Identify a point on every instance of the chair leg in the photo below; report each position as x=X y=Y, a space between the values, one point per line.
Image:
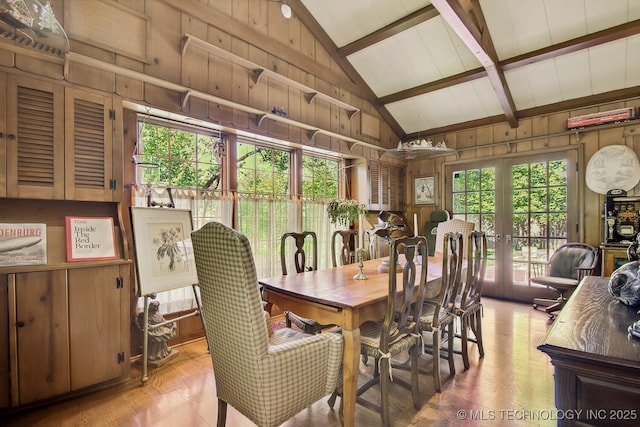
x=436 y=361
x=464 y=338
x=476 y=327
x=451 y=337
x=414 y=352
x=384 y=392
x=222 y=413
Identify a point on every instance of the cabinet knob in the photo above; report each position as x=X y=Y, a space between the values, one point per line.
x=11 y=136
x=20 y=324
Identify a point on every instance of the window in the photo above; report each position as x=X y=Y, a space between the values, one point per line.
x=319 y=184
x=186 y=159
x=265 y=209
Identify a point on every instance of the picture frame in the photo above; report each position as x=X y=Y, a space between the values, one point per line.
x=163 y=251
x=90 y=238
x=425 y=190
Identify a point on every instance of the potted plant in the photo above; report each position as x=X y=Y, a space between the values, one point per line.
x=345 y=211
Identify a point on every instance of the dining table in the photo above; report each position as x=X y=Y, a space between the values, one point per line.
x=333 y=296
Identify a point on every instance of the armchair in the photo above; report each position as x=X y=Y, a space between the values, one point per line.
x=567 y=265
x=253 y=371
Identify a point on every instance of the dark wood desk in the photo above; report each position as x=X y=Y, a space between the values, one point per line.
x=333 y=296
x=596 y=363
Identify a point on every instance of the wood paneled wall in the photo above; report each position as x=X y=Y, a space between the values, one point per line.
x=532 y=136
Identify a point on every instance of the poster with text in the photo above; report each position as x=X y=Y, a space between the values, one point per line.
x=90 y=238
x=23 y=244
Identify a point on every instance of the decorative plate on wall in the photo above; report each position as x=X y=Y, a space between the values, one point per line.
x=613 y=166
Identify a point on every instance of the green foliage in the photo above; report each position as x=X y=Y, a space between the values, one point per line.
x=345 y=211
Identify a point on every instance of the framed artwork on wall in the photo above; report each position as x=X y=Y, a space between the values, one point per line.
x=425 y=190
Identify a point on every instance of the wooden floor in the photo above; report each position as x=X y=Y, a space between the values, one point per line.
x=511 y=386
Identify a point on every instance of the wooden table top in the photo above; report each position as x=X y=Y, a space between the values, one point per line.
x=593 y=326
x=336 y=286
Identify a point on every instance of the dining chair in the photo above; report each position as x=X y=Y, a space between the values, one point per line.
x=299 y=255
x=398 y=330
x=468 y=304
x=346 y=238
x=438 y=313
x=568 y=264
x=266 y=378
x=301 y=261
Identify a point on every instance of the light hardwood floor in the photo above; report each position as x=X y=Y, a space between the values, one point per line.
x=511 y=386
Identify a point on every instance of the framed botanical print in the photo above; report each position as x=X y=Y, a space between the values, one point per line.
x=425 y=190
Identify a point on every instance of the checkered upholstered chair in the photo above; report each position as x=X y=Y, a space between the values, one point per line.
x=452 y=226
x=266 y=378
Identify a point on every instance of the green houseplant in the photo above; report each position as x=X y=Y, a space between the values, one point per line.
x=345 y=211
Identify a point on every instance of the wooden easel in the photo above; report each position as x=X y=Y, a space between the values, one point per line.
x=148 y=328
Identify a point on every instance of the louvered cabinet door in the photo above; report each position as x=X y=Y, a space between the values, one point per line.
x=374 y=186
x=88 y=151
x=34 y=139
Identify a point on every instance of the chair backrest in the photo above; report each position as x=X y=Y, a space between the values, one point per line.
x=299 y=255
x=451 y=271
x=452 y=226
x=232 y=309
x=476 y=267
x=402 y=313
x=572 y=260
x=346 y=237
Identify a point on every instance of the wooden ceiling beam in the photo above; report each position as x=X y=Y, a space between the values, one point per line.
x=574 y=45
x=472 y=30
x=467 y=76
x=405 y=23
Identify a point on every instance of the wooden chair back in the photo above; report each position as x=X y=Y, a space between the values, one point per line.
x=451 y=271
x=476 y=268
x=346 y=237
x=299 y=255
x=403 y=313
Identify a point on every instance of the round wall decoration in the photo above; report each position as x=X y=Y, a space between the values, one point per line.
x=611 y=167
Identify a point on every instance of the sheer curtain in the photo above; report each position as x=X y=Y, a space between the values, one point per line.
x=264 y=219
x=314 y=218
x=205 y=206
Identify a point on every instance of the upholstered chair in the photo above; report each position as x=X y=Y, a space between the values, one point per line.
x=452 y=226
x=567 y=265
x=266 y=378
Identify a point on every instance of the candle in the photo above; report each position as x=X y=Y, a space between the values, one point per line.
x=415 y=224
x=361 y=232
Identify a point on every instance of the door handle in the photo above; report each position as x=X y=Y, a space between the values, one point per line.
x=507 y=238
x=498 y=238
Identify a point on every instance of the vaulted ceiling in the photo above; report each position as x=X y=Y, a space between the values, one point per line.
x=446 y=65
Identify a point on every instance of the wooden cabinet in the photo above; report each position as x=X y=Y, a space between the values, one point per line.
x=613 y=256
x=386 y=187
x=39 y=335
x=34 y=138
x=57 y=142
x=68 y=329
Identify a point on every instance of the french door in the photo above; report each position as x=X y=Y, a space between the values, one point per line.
x=527 y=206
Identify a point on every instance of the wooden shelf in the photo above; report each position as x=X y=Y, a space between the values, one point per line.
x=257 y=72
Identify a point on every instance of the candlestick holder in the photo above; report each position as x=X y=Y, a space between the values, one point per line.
x=361 y=274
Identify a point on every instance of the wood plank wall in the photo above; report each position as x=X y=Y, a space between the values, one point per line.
x=484 y=144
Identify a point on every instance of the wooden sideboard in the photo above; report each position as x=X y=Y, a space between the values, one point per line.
x=614 y=255
x=596 y=362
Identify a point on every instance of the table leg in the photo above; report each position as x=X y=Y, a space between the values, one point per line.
x=351 y=369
